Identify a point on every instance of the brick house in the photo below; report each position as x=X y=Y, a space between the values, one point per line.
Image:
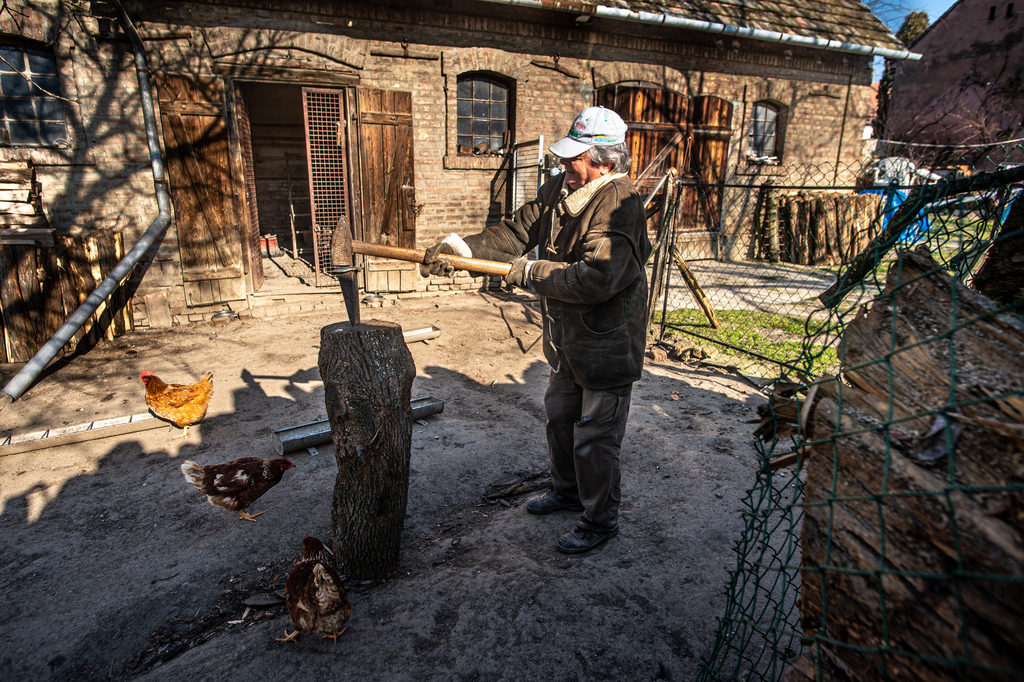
x=968 y=87
x=395 y=119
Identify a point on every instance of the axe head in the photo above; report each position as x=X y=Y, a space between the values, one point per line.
x=341 y=265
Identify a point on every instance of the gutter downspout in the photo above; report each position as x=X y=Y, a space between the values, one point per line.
x=711 y=27
x=13 y=390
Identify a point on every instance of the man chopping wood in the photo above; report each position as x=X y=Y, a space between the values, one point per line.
x=591 y=232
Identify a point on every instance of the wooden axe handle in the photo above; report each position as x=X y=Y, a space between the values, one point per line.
x=487 y=267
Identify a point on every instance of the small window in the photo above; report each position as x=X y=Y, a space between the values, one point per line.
x=991 y=12
x=1009 y=10
x=484 y=104
x=763 y=131
x=30 y=98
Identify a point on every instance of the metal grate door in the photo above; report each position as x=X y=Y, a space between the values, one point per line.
x=324 y=114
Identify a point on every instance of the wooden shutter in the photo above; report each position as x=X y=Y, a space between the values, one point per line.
x=251 y=207
x=388 y=195
x=654 y=116
x=711 y=119
x=199 y=168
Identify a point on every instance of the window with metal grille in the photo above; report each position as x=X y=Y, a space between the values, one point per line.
x=484 y=104
x=30 y=98
x=764 y=122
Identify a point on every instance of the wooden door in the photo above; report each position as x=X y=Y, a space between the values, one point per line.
x=654 y=117
x=209 y=228
x=251 y=207
x=711 y=123
x=386 y=181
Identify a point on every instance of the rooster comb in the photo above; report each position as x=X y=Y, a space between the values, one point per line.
x=146 y=373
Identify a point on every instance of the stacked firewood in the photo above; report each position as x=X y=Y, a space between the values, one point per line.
x=22 y=220
x=913 y=528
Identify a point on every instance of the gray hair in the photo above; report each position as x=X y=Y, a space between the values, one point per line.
x=616 y=154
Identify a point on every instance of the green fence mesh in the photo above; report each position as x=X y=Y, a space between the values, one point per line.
x=884 y=533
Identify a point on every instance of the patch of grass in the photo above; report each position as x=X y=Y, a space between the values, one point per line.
x=774 y=336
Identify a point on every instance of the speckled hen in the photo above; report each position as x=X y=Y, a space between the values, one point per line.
x=314 y=594
x=236 y=484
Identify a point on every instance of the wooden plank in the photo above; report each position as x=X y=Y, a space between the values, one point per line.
x=698 y=293
x=17 y=322
x=15 y=166
x=82 y=284
x=192 y=109
x=18 y=208
x=17 y=175
x=15 y=195
x=379 y=118
x=27 y=235
x=31 y=295
x=10 y=219
x=52 y=304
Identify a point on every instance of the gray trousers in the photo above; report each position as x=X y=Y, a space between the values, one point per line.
x=585 y=429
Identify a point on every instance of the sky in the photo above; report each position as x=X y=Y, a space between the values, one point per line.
x=934 y=8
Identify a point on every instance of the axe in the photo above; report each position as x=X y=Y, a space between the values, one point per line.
x=343 y=247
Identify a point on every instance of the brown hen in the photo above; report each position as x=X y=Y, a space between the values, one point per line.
x=314 y=595
x=236 y=484
x=182 y=405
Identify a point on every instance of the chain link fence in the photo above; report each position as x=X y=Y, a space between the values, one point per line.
x=884 y=535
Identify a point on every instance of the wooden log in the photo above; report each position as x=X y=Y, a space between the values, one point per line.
x=367 y=372
x=818 y=242
x=698 y=293
x=834 y=250
x=1001 y=276
x=898 y=552
x=787 y=215
x=801 y=229
x=773 y=227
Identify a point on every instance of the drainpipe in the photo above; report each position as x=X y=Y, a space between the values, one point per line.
x=711 y=27
x=13 y=390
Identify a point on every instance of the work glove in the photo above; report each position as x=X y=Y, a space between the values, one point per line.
x=519 y=275
x=434 y=262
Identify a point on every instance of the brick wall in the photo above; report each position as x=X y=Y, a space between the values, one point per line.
x=102 y=180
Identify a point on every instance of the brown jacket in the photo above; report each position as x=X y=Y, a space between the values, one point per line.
x=590 y=277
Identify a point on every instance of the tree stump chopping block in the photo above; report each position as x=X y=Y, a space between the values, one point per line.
x=367 y=372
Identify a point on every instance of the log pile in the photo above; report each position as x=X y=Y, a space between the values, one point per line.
x=913 y=530
x=22 y=220
x=816 y=228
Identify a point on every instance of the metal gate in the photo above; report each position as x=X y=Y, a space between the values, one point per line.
x=324 y=116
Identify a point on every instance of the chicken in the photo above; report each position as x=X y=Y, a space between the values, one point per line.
x=236 y=484
x=314 y=595
x=179 y=404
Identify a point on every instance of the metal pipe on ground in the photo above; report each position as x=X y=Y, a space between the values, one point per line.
x=34 y=367
x=309 y=435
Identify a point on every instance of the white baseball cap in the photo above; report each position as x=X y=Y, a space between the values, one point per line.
x=594 y=127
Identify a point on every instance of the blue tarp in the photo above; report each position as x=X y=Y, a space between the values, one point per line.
x=893 y=198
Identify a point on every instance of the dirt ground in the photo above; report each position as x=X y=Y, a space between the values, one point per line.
x=113 y=567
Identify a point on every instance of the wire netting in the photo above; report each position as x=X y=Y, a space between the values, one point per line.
x=884 y=532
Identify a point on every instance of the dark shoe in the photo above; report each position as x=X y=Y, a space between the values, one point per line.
x=581 y=540
x=552 y=502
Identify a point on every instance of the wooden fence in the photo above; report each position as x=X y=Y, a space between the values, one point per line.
x=41 y=286
x=815 y=228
